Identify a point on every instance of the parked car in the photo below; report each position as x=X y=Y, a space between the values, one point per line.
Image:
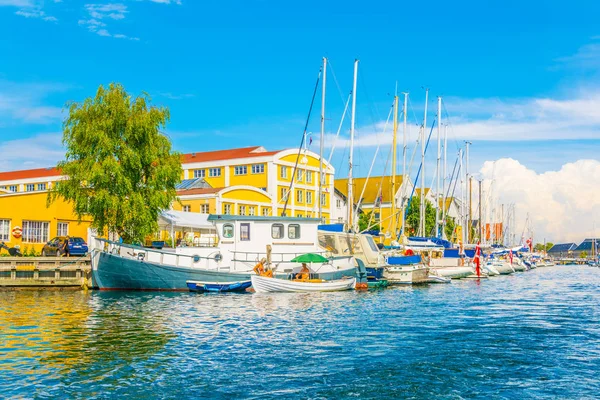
x=77 y=246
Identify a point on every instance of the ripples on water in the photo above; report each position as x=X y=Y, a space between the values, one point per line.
x=530 y=335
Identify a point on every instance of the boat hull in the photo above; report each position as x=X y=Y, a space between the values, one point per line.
x=262 y=284
x=218 y=287
x=406 y=275
x=453 y=272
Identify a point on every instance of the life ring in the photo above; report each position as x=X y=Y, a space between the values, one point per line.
x=17 y=232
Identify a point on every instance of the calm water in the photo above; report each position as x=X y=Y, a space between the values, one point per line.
x=531 y=335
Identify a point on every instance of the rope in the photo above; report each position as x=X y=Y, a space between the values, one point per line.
x=312 y=102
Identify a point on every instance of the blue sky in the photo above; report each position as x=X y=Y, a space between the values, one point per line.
x=240 y=73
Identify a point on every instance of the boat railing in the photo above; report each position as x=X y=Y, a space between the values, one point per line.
x=157 y=256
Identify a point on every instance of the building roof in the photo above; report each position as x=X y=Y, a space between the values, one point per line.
x=29 y=173
x=194 y=183
x=376 y=186
x=229 y=154
x=187 y=192
x=562 y=247
x=418 y=192
x=586 y=245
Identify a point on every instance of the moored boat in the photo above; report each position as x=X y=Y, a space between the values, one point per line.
x=262 y=284
x=218 y=287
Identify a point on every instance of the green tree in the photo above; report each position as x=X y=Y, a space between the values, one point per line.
x=120 y=169
x=367 y=221
x=413 y=217
x=450 y=226
x=583 y=254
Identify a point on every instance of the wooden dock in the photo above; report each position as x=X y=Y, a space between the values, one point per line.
x=45 y=272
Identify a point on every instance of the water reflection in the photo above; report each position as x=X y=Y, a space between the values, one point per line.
x=531 y=335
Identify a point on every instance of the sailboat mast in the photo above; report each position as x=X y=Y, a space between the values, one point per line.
x=438 y=197
x=468 y=182
x=322 y=140
x=394 y=148
x=422 y=208
x=404 y=178
x=444 y=210
x=350 y=160
x=462 y=197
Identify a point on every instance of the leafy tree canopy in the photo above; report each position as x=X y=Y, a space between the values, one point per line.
x=120 y=169
x=367 y=221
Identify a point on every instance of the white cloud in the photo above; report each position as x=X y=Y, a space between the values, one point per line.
x=36 y=13
x=23 y=102
x=586 y=57
x=562 y=205
x=42 y=150
x=17 y=3
x=98 y=13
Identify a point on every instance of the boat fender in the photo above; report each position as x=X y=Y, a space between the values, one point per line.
x=196 y=258
x=140 y=256
x=218 y=257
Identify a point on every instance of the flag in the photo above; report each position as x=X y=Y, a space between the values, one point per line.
x=476 y=259
x=310 y=140
x=510 y=254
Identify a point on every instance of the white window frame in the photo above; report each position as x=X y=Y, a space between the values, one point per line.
x=242 y=209
x=265 y=212
x=5 y=230
x=30 y=187
x=309 y=176
x=199 y=173
x=41 y=186
x=299 y=196
x=258 y=168
x=60 y=229
x=187 y=208
x=323 y=199
x=13 y=188
x=309 y=197
x=283 y=172
x=204 y=208
x=284 y=193
x=240 y=170
x=36 y=231
x=338 y=203
x=214 y=172
x=252 y=210
x=299 y=175
x=227 y=209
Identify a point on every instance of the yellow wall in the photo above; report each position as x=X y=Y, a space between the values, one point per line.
x=31 y=206
x=195 y=204
x=247 y=195
x=250 y=179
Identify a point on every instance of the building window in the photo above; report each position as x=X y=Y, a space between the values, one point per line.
x=293 y=231
x=199 y=173
x=242 y=210
x=227 y=231
x=41 y=186
x=309 y=197
x=244 y=232
x=227 y=209
x=283 y=172
x=340 y=220
x=299 y=196
x=251 y=210
x=338 y=203
x=35 y=231
x=265 y=212
x=204 y=208
x=62 y=229
x=258 y=168
x=187 y=208
x=30 y=187
x=323 y=199
x=283 y=193
x=13 y=188
x=277 y=231
x=213 y=172
x=309 y=176
x=240 y=170
x=4 y=230
x=300 y=175
x=300 y=216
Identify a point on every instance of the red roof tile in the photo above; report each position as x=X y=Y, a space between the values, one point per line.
x=244 y=152
x=29 y=173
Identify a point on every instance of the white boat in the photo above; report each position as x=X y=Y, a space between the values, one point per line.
x=490 y=270
x=503 y=268
x=519 y=267
x=406 y=274
x=262 y=284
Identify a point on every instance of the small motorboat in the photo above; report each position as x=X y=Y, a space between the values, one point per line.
x=263 y=284
x=218 y=287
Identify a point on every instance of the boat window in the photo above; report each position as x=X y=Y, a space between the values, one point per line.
x=244 y=232
x=277 y=231
x=227 y=231
x=293 y=231
x=328 y=243
x=372 y=244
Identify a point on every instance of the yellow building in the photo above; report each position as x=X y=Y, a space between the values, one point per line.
x=242 y=181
